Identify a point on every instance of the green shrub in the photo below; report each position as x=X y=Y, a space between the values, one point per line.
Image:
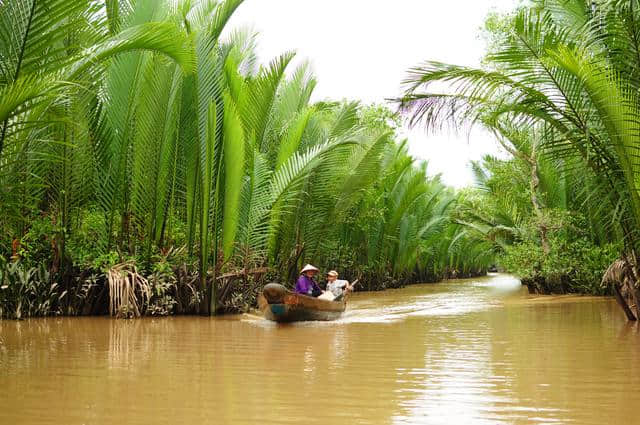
x=163 y=289
x=37 y=245
x=574 y=263
x=105 y=261
x=86 y=245
x=575 y=266
x=27 y=291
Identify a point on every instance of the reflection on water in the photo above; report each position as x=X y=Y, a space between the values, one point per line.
x=474 y=351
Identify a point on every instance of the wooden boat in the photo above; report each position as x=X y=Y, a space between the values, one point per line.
x=279 y=304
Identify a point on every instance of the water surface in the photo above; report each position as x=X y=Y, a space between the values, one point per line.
x=472 y=351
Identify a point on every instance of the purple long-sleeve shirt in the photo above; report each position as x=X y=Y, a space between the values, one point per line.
x=305 y=285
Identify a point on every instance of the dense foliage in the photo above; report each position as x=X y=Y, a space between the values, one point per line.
x=579 y=247
x=559 y=90
x=149 y=163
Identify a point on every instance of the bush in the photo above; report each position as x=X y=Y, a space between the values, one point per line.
x=163 y=289
x=86 y=244
x=574 y=263
x=575 y=266
x=38 y=244
x=27 y=291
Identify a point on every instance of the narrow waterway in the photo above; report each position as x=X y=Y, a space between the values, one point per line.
x=461 y=352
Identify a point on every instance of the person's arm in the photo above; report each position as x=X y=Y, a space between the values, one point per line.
x=315 y=285
x=300 y=286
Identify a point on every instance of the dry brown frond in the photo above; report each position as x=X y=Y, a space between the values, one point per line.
x=129 y=292
x=616 y=273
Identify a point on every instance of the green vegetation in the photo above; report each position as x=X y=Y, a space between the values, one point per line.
x=149 y=165
x=559 y=89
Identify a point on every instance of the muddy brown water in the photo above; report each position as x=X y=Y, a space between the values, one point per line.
x=461 y=352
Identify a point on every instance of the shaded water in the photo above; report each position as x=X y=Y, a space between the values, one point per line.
x=474 y=351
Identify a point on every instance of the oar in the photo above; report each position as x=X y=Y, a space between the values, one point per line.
x=353 y=284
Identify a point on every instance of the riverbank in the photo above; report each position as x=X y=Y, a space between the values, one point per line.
x=158 y=290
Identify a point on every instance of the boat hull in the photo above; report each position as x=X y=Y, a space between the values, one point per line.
x=281 y=305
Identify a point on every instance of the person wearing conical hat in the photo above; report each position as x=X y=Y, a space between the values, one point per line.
x=306 y=285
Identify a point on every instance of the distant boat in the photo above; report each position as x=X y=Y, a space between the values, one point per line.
x=279 y=304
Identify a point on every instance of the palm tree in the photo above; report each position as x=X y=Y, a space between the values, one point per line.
x=566 y=71
x=52 y=55
x=158 y=124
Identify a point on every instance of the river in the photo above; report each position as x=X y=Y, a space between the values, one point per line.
x=477 y=351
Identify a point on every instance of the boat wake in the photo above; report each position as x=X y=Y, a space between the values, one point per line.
x=420 y=307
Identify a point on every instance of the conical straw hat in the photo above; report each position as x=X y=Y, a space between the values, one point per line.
x=309 y=267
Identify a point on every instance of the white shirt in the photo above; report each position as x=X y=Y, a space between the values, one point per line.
x=337 y=287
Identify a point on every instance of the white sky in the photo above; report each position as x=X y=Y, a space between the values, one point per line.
x=361 y=49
